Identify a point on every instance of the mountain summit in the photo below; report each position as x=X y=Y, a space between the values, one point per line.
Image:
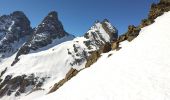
x=50 y=26
x=13 y=31
x=50 y=31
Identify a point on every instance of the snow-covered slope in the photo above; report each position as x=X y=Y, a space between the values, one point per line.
x=41 y=70
x=139 y=71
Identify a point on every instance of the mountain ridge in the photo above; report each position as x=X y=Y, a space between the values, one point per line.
x=42 y=65
x=46 y=32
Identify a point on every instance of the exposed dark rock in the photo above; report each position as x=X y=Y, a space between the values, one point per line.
x=95 y=55
x=13 y=28
x=109 y=55
x=79 y=57
x=69 y=75
x=115 y=45
x=164 y=1
x=19 y=84
x=112 y=33
x=158 y=9
x=133 y=31
x=3 y=72
x=49 y=29
x=145 y=22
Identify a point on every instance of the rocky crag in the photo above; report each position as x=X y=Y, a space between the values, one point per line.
x=156 y=10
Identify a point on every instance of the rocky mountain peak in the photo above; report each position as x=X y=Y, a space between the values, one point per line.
x=53 y=14
x=48 y=30
x=13 y=28
x=51 y=25
x=103 y=30
x=18 y=14
x=22 y=21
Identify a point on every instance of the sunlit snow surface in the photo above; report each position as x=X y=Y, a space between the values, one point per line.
x=139 y=71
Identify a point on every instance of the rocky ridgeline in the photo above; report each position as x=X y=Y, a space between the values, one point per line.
x=49 y=29
x=156 y=10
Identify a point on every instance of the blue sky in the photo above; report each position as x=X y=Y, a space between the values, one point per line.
x=78 y=16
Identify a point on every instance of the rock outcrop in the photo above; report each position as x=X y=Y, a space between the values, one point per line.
x=68 y=76
x=20 y=84
x=156 y=10
x=164 y=1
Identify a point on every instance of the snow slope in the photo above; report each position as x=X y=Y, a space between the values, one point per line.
x=139 y=71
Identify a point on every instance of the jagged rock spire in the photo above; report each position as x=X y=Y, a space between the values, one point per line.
x=52 y=25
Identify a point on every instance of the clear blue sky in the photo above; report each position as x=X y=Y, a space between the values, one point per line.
x=78 y=15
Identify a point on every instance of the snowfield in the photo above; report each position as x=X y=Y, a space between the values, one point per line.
x=139 y=71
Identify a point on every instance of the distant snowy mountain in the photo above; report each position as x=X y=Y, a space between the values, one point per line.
x=40 y=72
x=139 y=71
x=14 y=31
